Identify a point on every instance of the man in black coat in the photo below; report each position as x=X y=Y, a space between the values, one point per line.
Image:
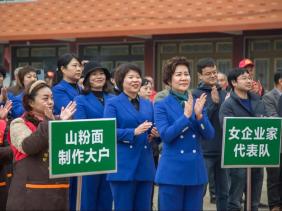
x=242 y=103
x=207 y=73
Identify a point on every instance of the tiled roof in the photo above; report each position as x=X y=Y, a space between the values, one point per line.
x=58 y=19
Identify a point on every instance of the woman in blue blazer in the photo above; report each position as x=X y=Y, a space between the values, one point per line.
x=181 y=121
x=25 y=76
x=132 y=184
x=68 y=73
x=96 y=193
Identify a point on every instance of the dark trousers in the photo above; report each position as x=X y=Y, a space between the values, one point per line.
x=238 y=178
x=211 y=184
x=274 y=186
x=220 y=177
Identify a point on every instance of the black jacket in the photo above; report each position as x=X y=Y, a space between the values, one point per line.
x=213 y=147
x=232 y=107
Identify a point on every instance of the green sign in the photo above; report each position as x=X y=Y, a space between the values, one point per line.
x=251 y=142
x=82 y=147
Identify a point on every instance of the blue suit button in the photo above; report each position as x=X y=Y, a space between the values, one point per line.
x=181 y=136
x=194 y=151
x=194 y=136
x=130 y=146
x=182 y=151
x=145 y=147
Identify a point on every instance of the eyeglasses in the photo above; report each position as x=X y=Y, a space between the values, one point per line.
x=209 y=74
x=244 y=78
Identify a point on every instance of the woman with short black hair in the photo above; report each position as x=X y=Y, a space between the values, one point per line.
x=69 y=70
x=132 y=184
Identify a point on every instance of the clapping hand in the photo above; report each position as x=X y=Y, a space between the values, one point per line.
x=142 y=128
x=188 y=106
x=214 y=95
x=4 y=110
x=199 y=105
x=154 y=134
x=48 y=112
x=67 y=112
x=3 y=95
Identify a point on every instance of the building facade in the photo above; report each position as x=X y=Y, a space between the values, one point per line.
x=146 y=40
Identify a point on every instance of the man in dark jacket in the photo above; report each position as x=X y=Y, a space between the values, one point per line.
x=242 y=103
x=207 y=73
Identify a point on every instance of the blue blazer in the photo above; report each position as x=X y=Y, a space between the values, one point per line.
x=17 y=106
x=95 y=191
x=63 y=93
x=134 y=153
x=88 y=106
x=181 y=162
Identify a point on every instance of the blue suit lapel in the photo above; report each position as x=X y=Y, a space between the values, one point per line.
x=129 y=107
x=143 y=109
x=94 y=102
x=175 y=107
x=70 y=90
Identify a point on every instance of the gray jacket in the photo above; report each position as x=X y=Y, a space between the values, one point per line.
x=270 y=100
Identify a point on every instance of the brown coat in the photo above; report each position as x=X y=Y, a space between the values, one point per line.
x=31 y=188
x=6 y=157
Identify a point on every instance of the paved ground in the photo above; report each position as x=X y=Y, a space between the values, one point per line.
x=211 y=207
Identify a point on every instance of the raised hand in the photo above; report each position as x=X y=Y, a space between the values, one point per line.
x=199 y=105
x=4 y=110
x=142 y=128
x=214 y=95
x=255 y=87
x=3 y=95
x=48 y=113
x=66 y=113
x=188 y=106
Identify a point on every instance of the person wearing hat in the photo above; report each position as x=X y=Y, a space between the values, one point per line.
x=250 y=66
x=96 y=193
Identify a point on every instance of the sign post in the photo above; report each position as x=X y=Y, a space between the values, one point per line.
x=82 y=147
x=251 y=142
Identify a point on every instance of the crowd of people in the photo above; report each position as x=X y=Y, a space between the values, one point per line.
x=172 y=139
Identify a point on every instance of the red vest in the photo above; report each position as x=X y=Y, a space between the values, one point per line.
x=17 y=154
